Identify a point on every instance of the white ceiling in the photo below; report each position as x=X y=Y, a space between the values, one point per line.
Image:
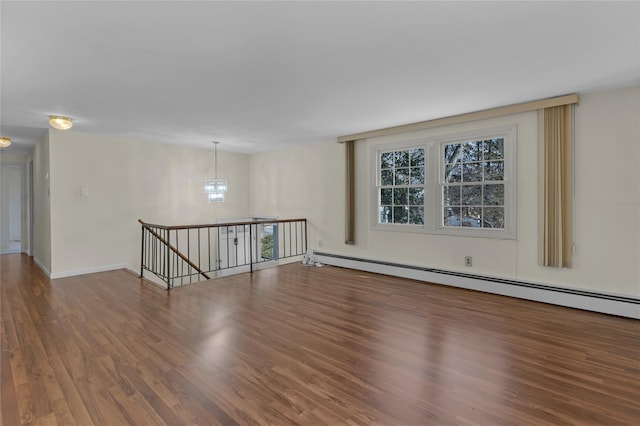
x=259 y=76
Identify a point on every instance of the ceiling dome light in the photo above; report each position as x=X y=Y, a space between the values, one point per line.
x=5 y=142
x=60 y=122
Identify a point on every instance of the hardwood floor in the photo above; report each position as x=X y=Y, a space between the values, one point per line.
x=304 y=345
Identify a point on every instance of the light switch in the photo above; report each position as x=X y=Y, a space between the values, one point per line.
x=84 y=192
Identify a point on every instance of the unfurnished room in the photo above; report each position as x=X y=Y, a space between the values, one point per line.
x=320 y=213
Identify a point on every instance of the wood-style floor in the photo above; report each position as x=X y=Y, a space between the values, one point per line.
x=304 y=345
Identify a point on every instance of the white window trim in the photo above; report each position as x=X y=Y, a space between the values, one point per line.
x=433 y=147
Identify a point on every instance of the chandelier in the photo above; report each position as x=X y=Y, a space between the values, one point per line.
x=215 y=188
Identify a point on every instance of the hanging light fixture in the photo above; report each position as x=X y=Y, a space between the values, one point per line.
x=215 y=188
x=5 y=142
x=60 y=122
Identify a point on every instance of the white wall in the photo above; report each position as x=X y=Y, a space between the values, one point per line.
x=127 y=180
x=26 y=229
x=302 y=182
x=309 y=181
x=42 y=204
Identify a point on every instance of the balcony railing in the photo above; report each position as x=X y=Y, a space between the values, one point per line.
x=187 y=254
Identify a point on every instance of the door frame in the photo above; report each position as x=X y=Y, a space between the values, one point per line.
x=32 y=220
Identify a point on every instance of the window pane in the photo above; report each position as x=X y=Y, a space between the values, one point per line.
x=402 y=159
x=471 y=217
x=400 y=214
x=452 y=153
x=472 y=151
x=493 y=217
x=416 y=196
x=472 y=172
x=386 y=196
x=417 y=175
x=494 y=149
x=451 y=195
x=471 y=195
x=453 y=173
x=451 y=216
x=400 y=196
x=402 y=177
x=416 y=215
x=494 y=195
x=494 y=170
x=386 y=177
x=386 y=160
x=385 y=214
x=416 y=157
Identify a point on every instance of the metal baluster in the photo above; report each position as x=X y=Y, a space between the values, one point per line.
x=235 y=243
x=290 y=245
x=305 y=236
x=168 y=260
x=142 y=253
x=154 y=261
x=250 y=250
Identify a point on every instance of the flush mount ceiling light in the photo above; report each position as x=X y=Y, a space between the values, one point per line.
x=5 y=142
x=60 y=122
x=215 y=188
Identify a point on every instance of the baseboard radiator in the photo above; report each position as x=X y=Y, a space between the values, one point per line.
x=607 y=303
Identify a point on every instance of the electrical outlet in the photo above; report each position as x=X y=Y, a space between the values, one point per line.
x=468 y=261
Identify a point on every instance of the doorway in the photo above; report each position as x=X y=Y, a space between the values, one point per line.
x=266 y=242
x=11 y=190
x=237 y=246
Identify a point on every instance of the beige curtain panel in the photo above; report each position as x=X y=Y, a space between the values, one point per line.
x=557 y=181
x=350 y=214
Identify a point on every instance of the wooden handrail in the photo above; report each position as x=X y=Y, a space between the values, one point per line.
x=219 y=225
x=173 y=249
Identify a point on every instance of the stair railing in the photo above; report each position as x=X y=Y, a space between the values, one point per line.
x=186 y=254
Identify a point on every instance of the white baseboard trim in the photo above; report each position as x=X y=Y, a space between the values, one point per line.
x=76 y=272
x=608 y=303
x=41 y=266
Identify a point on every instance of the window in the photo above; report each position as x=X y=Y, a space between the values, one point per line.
x=473 y=184
x=401 y=186
x=456 y=185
